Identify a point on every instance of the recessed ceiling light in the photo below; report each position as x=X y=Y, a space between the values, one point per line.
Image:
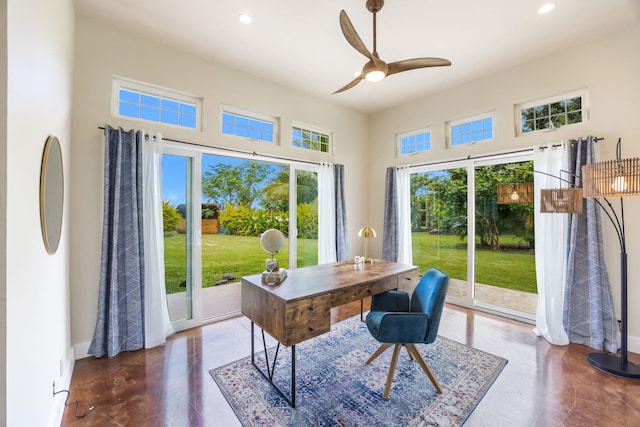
x=545 y=8
x=245 y=19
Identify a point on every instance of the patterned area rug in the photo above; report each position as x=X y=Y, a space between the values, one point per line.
x=334 y=387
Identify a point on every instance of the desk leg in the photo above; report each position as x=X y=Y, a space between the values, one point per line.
x=293 y=376
x=268 y=375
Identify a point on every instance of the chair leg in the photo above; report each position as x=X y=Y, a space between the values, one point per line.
x=392 y=370
x=408 y=352
x=378 y=352
x=413 y=350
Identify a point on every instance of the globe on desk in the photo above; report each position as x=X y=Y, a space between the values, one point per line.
x=272 y=241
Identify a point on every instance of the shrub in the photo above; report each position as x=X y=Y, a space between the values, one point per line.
x=307 y=220
x=243 y=221
x=170 y=217
x=233 y=218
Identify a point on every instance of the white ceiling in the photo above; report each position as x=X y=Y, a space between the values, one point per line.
x=299 y=44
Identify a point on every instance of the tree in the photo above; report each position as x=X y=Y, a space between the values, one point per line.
x=444 y=194
x=242 y=184
x=443 y=197
x=278 y=192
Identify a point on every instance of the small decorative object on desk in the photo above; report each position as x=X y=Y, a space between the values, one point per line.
x=274 y=277
x=272 y=241
x=362 y=260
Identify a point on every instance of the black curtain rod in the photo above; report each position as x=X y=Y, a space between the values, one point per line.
x=542 y=148
x=231 y=150
x=469 y=157
x=486 y=156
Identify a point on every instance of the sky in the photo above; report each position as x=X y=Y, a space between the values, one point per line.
x=174 y=175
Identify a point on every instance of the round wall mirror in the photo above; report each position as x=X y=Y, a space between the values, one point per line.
x=51 y=194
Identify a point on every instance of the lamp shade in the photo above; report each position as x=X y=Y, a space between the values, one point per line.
x=613 y=178
x=367 y=232
x=561 y=200
x=521 y=192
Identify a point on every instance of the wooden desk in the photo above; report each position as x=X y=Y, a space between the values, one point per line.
x=299 y=308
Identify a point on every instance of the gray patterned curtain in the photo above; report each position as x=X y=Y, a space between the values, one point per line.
x=342 y=233
x=120 y=322
x=390 y=231
x=589 y=316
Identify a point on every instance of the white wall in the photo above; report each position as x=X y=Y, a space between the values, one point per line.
x=3 y=212
x=609 y=68
x=39 y=82
x=101 y=52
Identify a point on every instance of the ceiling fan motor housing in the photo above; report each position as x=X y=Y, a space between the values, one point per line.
x=374 y=5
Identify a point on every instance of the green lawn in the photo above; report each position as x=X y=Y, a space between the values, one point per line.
x=222 y=254
x=243 y=256
x=511 y=269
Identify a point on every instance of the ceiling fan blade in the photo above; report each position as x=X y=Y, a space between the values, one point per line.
x=352 y=36
x=351 y=84
x=412 y=64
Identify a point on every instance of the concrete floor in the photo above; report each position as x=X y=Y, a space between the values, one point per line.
x=170 y=385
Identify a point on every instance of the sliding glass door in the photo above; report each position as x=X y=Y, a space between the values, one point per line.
x=306 y=214
x=484 y=242
x=505 y=277
x=439 y=226
x=241 y=199
x=221 y=205
x=177 y=212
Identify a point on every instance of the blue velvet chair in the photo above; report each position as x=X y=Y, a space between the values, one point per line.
x=403 y=321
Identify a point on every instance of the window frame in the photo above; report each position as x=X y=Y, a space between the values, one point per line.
x=470 y=120
x=154 y=91
x=413 y=133
x=583 y=94
x=312 y=129
x=275 y=122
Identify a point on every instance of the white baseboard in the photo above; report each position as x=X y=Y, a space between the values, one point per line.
x=633 y=344
x=80 y=351
x=61 y=383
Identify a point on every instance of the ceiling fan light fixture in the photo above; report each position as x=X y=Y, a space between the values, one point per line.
x=546 y=8
x=375 y=76
x=245 y=19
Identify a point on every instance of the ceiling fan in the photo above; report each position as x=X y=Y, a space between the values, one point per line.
x=376 y=69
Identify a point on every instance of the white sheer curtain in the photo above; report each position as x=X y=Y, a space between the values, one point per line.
x=157 y=323
x=551 y=246
x=326 y=214
x=403 y=177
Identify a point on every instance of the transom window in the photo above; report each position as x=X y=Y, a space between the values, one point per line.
x=250 y=125
x=552 y=113
x=471 y=129
x=414 y=142
x=145 y=102
x=303 y=136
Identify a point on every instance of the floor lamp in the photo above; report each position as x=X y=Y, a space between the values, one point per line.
x=614 y=178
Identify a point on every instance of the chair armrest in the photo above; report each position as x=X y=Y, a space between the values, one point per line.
x=397 y=327
x=390 y=301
